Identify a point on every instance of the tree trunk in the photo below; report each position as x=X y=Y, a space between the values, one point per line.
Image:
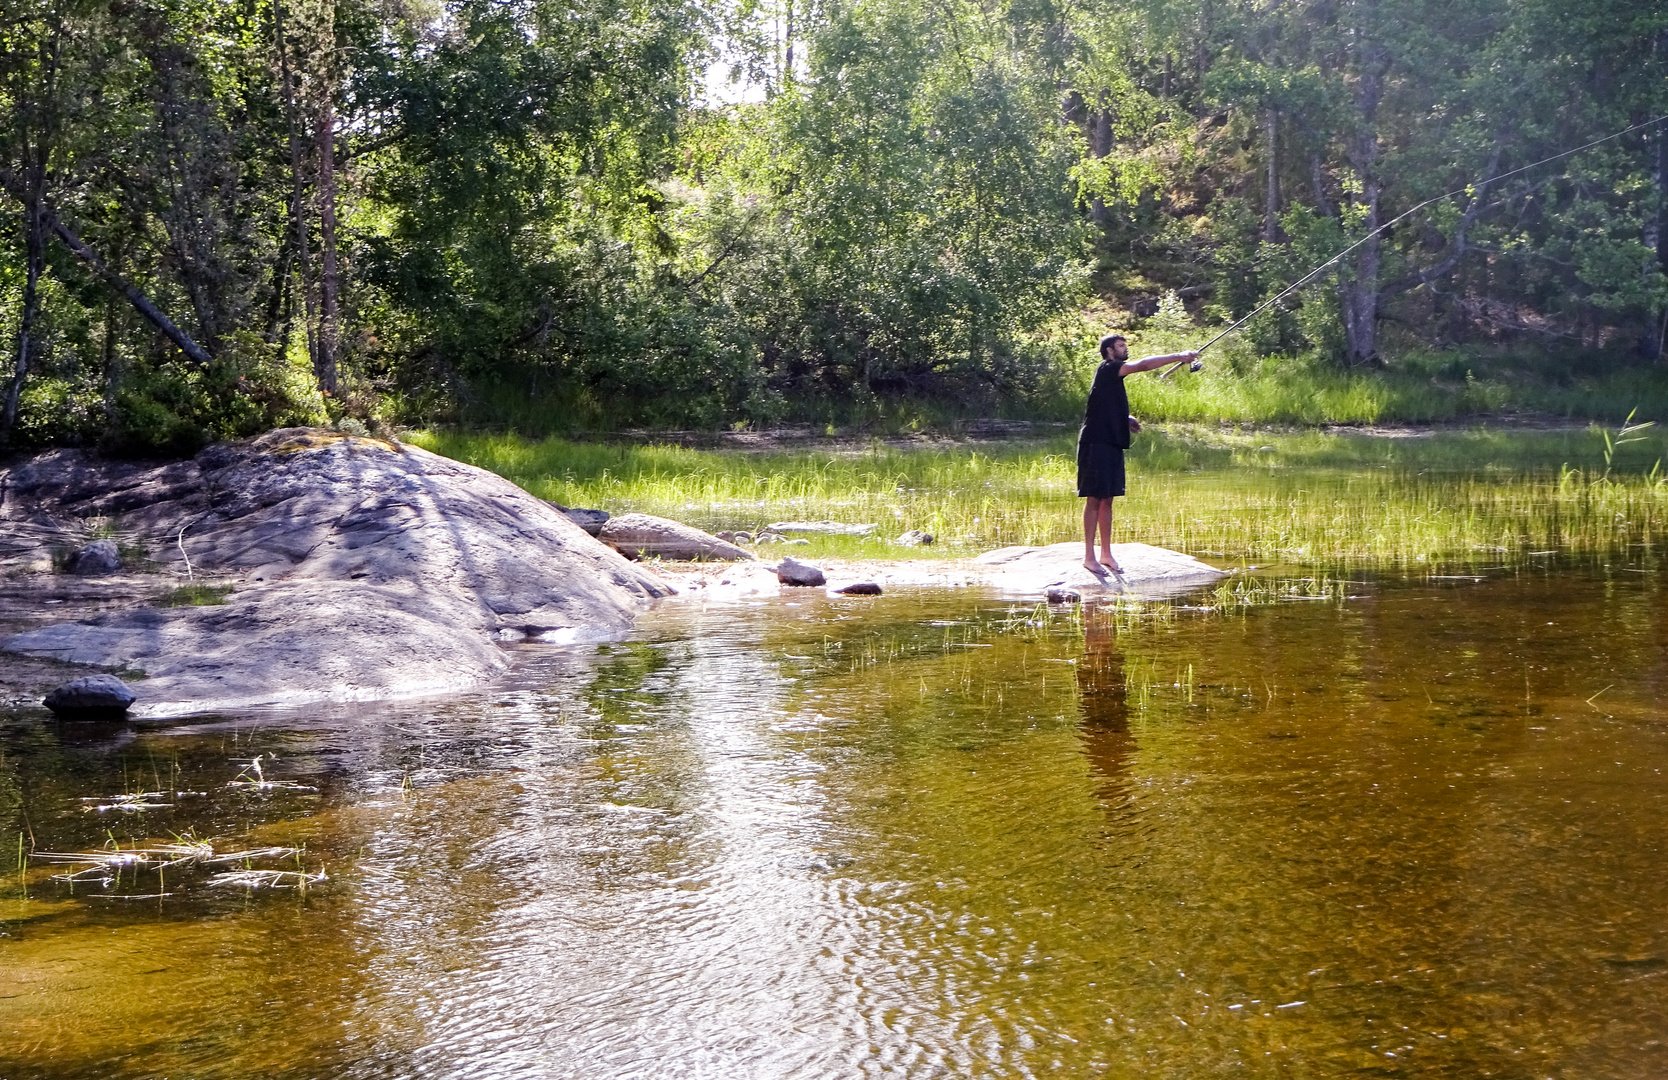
x=1100 y=145
x=1656 y=236
x=329 y=286
x=35 y=258
x=1271 y=202
x=35 y=116
x=141 y=303
x=298 y=155
x=787 y=65
x=1358 y=285
x=1358 y=295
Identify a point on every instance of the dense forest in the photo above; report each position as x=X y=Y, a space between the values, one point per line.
x=222 y=215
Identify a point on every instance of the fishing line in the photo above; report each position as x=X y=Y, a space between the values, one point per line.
x=1476 y=187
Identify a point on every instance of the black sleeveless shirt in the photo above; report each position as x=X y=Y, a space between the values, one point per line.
x=1106 y=420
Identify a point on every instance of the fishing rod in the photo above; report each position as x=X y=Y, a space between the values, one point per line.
x=1194 y=364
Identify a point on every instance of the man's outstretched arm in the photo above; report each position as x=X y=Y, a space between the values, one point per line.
x=1148 y=363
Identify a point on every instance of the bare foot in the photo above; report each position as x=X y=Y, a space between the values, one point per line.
x=1110 y=563
x=1092 y=566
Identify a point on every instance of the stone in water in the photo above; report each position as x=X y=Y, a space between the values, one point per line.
x=791 y=571
x=91 y=698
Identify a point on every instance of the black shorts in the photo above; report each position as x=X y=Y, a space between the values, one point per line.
x=1100 y=470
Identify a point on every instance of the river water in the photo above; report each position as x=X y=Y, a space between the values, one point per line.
x=1414 y=827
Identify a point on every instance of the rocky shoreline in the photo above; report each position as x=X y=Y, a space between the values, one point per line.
x=307 y=565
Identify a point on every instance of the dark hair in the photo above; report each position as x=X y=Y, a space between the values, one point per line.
x=1106 y=343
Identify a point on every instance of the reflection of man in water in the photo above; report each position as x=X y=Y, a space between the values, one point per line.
x=1101 y=697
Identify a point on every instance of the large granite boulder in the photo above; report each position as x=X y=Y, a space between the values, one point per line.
x=364 y=570
x=640 y=536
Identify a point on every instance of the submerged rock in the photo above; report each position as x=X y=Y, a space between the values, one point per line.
x=1057 y=595
x=370 y=570
x=92 y=698
x=791 y=571
x=860 y=588
x=98 y=557
x=638 y=536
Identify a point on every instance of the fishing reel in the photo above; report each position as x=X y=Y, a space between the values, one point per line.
x=1196 y=365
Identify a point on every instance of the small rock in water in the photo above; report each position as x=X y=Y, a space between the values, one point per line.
x=98 y=557
x=860 y=588
x=1057 y=595
x=92 y=698
x=791 y=571
x=914 y=538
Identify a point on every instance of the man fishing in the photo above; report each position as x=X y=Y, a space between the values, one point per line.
x=1107 y=427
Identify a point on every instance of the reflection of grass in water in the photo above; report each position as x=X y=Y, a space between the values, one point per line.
x=1308 y=497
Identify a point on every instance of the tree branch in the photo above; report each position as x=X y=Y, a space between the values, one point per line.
x=200 y=356
x=1457 y=246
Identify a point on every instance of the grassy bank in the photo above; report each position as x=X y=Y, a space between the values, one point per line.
x=1417 y=387
x=1343 y=500
x=1235 y=386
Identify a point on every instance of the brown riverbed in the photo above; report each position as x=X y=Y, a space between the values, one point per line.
x=1409 y=829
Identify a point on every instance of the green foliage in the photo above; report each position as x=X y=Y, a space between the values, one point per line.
x=196 y=596
x=530 y=217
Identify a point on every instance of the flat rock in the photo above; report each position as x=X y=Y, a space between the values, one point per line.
x=365 y=570
x=828 y=528
x=1146 y=571
x=791 y=571
x=95 y=696
x=638 y=536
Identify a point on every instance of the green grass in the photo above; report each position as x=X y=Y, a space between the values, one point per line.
x=1424 y=387
x=1313 y=498
x=196 y=596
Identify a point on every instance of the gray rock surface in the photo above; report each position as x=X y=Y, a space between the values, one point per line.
x=364 y=570
x=826 y=528
x=98 y=557
x=638 y=536
x=1146 y=571
x=791 y=571
x=591 y=521
x=914 y=538
x=100 y=695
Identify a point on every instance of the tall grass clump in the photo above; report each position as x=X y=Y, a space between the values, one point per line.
x=1311 y=497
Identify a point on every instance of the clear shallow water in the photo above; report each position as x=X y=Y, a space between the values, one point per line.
x=928 y=834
